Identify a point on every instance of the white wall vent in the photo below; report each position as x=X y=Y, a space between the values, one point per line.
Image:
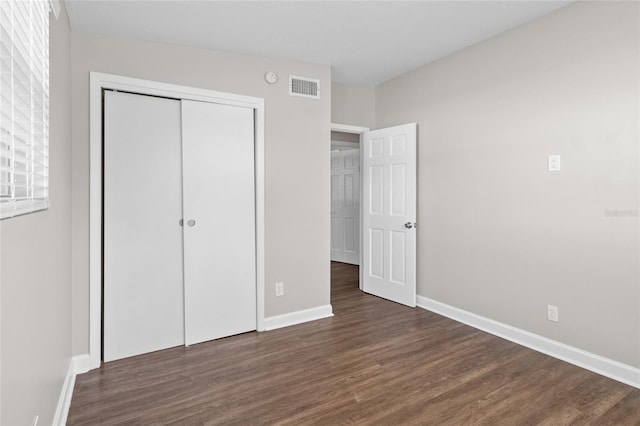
x=303 y=86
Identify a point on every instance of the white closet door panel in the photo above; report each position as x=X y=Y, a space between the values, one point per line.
x=143 y=292
x=345 y=206
x=219 y=249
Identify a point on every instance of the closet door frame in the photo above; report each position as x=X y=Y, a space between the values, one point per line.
x=98 y=82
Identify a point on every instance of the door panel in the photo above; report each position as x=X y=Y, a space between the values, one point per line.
x=219 y=249
x=389 y=200
x=345 y=206
x=143 y=299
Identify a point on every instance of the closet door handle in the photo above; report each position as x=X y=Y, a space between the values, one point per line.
x=191 y=222
x=181 y=222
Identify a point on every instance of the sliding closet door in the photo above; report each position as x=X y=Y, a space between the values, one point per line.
x=219 y=214
x=143 y=292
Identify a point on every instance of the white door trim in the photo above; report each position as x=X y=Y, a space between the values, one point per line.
x=358 y=130
x=347 y=128
x=100 y=81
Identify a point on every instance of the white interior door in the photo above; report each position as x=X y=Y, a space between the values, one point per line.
x=345 y=206
x=219 y=214
x=143 y=299
x=389 y=213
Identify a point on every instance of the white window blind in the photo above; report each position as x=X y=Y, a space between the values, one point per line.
x=24 y=106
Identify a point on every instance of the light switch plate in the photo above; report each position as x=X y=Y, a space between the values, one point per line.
x=554 y=163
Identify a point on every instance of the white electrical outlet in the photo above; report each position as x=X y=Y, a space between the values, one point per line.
x=554 y=163
x=279 y=289
x=552 y=313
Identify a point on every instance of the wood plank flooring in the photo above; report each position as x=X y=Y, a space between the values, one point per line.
x=374 y=362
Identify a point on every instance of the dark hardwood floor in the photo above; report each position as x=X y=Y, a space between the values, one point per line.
x=374 y=362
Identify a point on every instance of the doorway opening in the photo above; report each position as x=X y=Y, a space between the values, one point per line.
x=386 y=212
x=346 y=193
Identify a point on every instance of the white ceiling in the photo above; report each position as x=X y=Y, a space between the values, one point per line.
x=365 y=42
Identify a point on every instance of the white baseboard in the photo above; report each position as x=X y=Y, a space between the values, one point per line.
x=77 y=365
x=83 y=363
x=298 y=317
x=64 y=401
x=607 y=367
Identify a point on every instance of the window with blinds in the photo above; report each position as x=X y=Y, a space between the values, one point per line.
x=24 y=106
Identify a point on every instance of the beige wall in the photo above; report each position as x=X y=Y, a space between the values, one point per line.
x=353 y=104
x=499 y=235
x=35 y=271
x=297 y=159
x=345 y=137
